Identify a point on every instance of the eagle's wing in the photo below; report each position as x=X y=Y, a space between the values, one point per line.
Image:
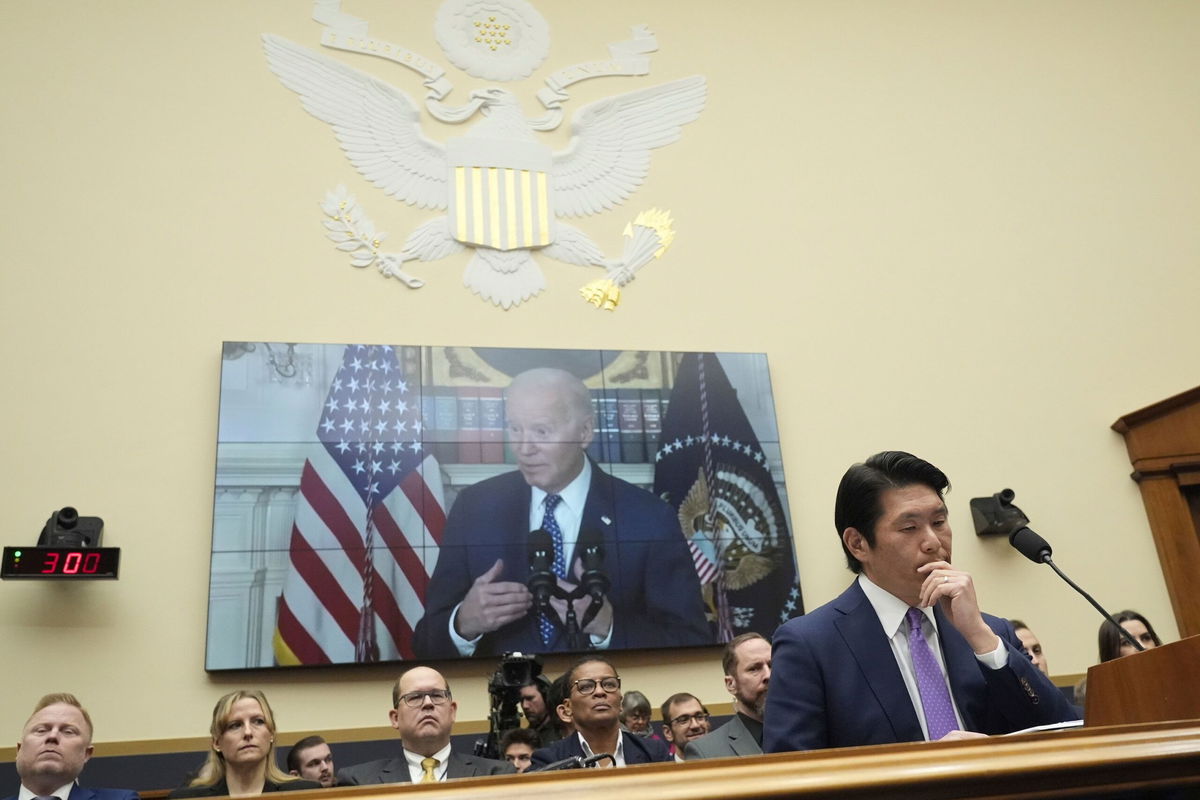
x=376 y=124
x=609 y=153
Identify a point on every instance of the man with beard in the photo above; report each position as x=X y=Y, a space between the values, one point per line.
x=593 y=703
x=747 y=665
x=685 y=719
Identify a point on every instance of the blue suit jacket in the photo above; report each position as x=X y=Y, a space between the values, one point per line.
x=84 y=793
x=835 y=682
x=655 y=593
x=638 y=750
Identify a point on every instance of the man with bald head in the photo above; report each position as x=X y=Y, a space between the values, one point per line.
x=478 y=602
x=55 y=744
x=423 y=712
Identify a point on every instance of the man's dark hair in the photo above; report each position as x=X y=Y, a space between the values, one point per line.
x=519 y=736
x=570 y=676
x=678 y=697
x=542 y=684
x=858 y=506
x=729 y=660
x=293 y=756
x=1018 y=624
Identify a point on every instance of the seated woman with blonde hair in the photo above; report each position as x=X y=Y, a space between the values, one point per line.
x=242 y=760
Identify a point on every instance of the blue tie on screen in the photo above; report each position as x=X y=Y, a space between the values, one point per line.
x=550 y=525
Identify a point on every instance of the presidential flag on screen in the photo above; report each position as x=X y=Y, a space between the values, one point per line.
x=712 y=470
x=369 y=519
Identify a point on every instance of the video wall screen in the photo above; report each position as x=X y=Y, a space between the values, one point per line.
x=394 y=502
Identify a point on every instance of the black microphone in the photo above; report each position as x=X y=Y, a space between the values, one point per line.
x=1038 y=550
x=541 y=581
x=571 y=762
x=592 y=761
x=591 y=552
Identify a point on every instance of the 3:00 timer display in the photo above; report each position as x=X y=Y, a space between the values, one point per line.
x=60 y=562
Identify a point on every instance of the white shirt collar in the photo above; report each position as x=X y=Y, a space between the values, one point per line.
x=62 y=793
x=890 y=609
x=574 y=494
x=619 y=755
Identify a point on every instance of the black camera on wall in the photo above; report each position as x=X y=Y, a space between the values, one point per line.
x=66 y=528
x=996 y=515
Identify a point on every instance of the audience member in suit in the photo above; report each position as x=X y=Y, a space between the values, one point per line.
x=685 y=719
x=478 y=603
x=423 y=712
x=904 y=654
x=1113 y=644
x=55 y=744
x=747 y=666
x=242 y=759
x=311 y=758
x=593 y=704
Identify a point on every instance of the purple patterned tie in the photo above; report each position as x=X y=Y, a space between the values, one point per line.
x=550 y=525
x=931 y=683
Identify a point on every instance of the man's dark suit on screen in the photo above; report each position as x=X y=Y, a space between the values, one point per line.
x=395 y=770
x=655 y=593
x=636 y=749
x=835 y=682
x=731 y=739
x=84 y=793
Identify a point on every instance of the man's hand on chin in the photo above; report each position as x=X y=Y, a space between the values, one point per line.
x=955 y=590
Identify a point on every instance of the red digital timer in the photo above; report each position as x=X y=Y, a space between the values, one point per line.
x=60 y=563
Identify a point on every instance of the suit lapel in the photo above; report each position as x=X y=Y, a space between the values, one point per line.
x=599 y=514
x=80 y=793
x=740 y=740
x=864 y=636
x=395 y=771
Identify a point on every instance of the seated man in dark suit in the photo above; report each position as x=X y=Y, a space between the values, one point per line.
x=747 y=665
x=55 y=744
x=904 y=654
x=593 y=702
x=423 y=711
x=478 y=602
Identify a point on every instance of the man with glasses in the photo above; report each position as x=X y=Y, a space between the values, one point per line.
x=684 y=718
x=593 y=702
x=423 y=711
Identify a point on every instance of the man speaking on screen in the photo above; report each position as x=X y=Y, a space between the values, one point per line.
x=479 y=603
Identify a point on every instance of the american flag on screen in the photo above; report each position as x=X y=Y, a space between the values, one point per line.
x=369 y=519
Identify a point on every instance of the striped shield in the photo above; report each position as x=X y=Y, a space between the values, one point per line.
x=500 y=193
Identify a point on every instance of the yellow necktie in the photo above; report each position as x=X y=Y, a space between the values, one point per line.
x=429 y=765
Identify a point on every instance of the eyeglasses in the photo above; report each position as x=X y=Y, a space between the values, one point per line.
x=587 y=685
x=417 y=699
x=686 y=719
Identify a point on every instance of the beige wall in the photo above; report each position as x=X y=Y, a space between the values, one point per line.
x=960 y=228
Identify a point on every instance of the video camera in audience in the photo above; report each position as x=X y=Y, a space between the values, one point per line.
x=515 y=671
